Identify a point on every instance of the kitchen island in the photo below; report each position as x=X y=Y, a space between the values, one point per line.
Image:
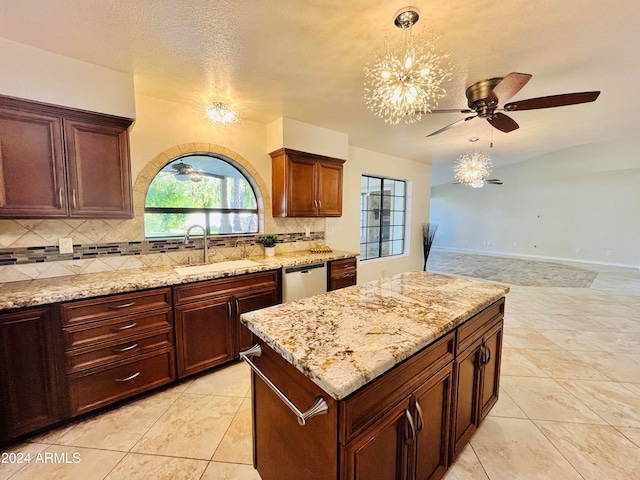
x=401 y=371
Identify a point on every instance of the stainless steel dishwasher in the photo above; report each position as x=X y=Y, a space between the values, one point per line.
x=304 y=281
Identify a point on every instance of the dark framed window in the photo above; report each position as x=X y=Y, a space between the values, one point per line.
x=200 y=189
x=382 y=217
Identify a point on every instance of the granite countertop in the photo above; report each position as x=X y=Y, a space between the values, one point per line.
x=343 y=339
x=61 y=289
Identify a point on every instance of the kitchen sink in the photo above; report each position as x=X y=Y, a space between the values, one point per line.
x=216 y=267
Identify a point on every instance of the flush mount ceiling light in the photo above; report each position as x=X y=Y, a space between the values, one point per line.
x=221 y=112
x=473 y=168
x=406 y=82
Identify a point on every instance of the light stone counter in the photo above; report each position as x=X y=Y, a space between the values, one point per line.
x=343 y=339
x=61 y=289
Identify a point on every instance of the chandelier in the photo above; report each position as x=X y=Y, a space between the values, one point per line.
x=406 y=82
x=221 y=113
x=473 y=168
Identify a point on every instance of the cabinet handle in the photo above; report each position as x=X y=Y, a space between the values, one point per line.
x=122 y=305
x=488 y=355
x=319 y=205
x=229 y=308
x=420 y=420
x=73 y=197
x=125 y=349
x=60 y=197
x=126 y=327
x=409 y=438
x=126 y=379
x=235 y=300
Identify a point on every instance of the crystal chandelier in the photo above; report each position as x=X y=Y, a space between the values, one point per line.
x=406 y=82
x=473 y=168
x=220 y=112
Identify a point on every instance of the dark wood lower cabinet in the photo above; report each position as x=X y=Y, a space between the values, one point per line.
x=30 y=383
x=207 y=316
x=407 y=424
x=477 y=374
x=203 y=335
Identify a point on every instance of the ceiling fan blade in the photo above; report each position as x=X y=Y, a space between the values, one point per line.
x=502 y=122
x=552 y=101
x=451 y=110
x=508 y=87
x=454 y=124
x=494 y=181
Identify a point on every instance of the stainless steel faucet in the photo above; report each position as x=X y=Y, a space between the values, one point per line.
x=206 y=238
x=244 y=248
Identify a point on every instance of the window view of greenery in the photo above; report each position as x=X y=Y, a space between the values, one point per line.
x=202 y=190
x=382 y=217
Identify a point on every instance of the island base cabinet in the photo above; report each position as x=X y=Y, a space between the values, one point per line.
x=382 y=451
x=283 y=449
x=410 y=442
x=477 y=373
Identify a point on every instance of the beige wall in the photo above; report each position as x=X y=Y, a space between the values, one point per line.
x=344 y=233
x=36 y=74
x=577 y=204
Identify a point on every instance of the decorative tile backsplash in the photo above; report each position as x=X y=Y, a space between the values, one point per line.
x=28 y=263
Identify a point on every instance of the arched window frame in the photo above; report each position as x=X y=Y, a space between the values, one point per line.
x=206 y=211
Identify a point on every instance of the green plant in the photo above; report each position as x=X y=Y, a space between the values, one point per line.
x=269 y=241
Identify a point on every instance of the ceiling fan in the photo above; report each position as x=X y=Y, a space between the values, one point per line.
x=485 y=96
x=490 y=181
x=184 y=171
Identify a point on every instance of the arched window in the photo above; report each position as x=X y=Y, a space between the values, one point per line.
x=200 y=189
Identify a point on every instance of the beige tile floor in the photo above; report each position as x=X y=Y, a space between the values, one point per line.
x=569 y=405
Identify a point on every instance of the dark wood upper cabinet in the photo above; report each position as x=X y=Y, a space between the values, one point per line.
x=62 y=162
x=306 y=184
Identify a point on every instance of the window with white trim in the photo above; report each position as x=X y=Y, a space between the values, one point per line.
x=382 y=217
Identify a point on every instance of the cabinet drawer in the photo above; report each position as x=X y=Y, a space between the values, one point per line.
x=84 y=311
x=342 y=281
x=365 y=406
x=472 y=329
x=340 y=267
x=104 y=385
x=225 y=286
x=91 y=334
x=89 y=357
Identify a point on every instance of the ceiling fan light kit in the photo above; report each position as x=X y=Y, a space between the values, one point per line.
x=406 y=81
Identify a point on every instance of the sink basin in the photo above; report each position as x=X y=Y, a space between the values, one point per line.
x=215 y=267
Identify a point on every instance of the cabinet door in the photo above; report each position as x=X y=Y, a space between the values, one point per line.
x=432 y=413
x=32 y=182
x=204 y=335
x=301 y=189
x=467 y=384
x=99 y=170
x=492 y=352
x=29 y=378
x=382 y=451
x=329 y=193
x=248 y=302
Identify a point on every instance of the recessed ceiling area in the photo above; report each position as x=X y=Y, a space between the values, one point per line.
x=305 y=60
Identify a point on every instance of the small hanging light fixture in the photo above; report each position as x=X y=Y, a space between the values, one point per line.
x=221 y=112
x=473 y=168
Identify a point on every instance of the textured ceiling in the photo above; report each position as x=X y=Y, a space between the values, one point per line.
x=304 y=59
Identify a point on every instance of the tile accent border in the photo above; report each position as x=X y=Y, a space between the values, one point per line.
x=21 y=256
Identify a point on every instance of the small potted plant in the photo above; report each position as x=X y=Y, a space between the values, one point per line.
x=269 y=244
